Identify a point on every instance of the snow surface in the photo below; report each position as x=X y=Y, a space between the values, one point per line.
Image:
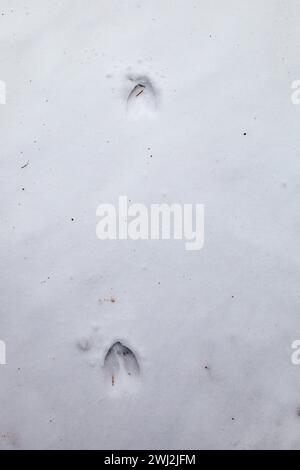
x=211 y=330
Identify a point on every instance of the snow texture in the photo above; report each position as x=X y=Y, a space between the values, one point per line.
x=206 y=334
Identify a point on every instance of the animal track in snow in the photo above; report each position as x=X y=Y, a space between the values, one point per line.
x=121 y=365
x=142 y=98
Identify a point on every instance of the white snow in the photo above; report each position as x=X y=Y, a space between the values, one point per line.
x=211 y=329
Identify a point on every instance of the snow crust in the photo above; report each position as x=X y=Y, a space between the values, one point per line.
x=211 y=330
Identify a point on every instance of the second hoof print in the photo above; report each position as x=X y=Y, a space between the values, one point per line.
x=142 y=98
x=121 y=367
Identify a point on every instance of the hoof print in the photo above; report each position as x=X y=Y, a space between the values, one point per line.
x=121 y=365
x=142 y=98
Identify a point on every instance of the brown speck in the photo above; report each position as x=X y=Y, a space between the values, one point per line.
x=111 y=300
